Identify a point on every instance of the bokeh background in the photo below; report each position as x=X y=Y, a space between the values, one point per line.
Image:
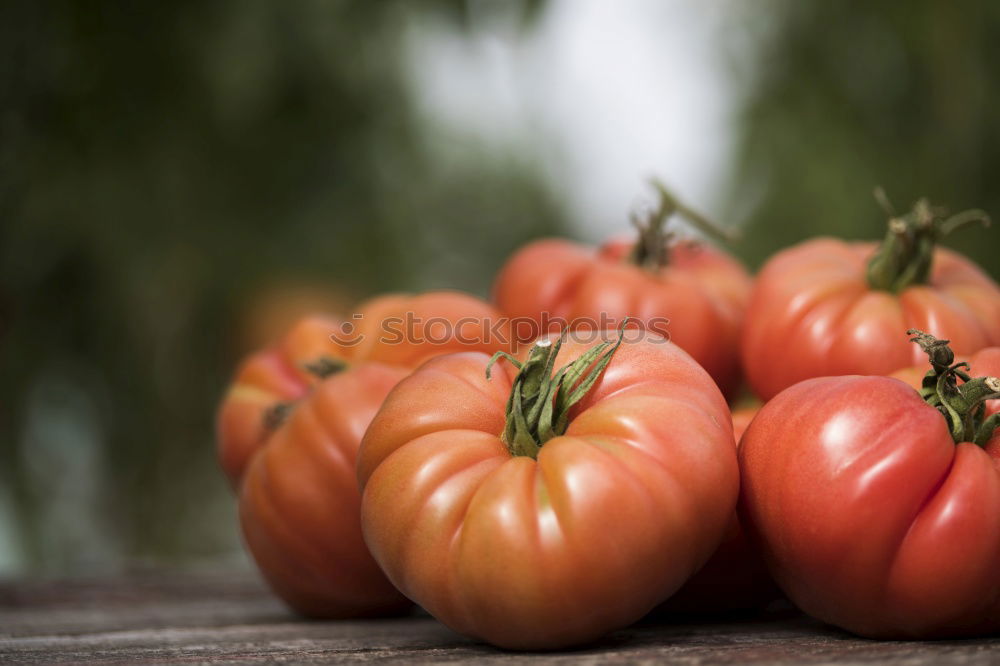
x=179 y=181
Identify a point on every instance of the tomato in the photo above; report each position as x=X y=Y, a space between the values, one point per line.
x=874 y=510
x=735 y=577
x=687 y=291
x=288 y=433
x=531 y=535
x=829 y=307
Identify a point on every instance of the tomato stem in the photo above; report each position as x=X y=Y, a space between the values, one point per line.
x=652 y=248
x=985 y=432
x=963 y=405
x=539 y=402
x=906 y=254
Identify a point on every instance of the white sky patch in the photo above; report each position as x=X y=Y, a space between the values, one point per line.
x=601 y=94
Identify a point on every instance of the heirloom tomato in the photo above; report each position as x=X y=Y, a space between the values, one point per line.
x=541 y=508
x=687 y=291
x=288 y=432
x=877 y=508
x=828 y=307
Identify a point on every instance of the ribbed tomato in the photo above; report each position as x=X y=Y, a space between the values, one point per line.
x=516 y=516
x=876 y=509
x=828 y=307
x=687 y=291
x=289 y=429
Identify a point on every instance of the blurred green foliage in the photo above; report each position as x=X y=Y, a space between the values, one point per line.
x=842 y=96
x=158 y=166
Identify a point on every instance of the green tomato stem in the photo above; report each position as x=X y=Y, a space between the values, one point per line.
x=962 y=405
x=985 y=432
x=906 y=254
x=652 y=248
x=539 y=402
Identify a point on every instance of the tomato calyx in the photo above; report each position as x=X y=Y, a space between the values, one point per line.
x=652 y=248
x=906 y=254
x=539 y=403
x=963 y=405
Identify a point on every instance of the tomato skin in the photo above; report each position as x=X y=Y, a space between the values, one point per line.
x=868 y=514
x=701 y=290
x=277 y=374
x=266 y=379
x=298 y=495
x=299 y=501
x=812 y=314
x=610 y=519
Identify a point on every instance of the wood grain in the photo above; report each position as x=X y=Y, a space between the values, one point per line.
x=220 y=618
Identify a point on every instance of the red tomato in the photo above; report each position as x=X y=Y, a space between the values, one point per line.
x=735 y=577
x=870 y=512
x=288 y=439
x=531 y=542
x=689 y=292
x=828 y=307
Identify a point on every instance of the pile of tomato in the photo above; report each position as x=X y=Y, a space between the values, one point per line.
x=544 y=469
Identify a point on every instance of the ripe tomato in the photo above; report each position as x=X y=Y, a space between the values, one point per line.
x=828 y=307
x=689 y=292
x=543 y=528
x=875 y=510
x=288 y=433
x=735 y=577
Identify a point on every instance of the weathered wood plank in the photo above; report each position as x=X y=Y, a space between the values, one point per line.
x=232 y=618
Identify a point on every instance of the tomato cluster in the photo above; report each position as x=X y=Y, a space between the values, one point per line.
x=288 y=434
x=542 y=471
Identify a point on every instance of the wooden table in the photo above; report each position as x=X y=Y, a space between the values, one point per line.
x=232 y=618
